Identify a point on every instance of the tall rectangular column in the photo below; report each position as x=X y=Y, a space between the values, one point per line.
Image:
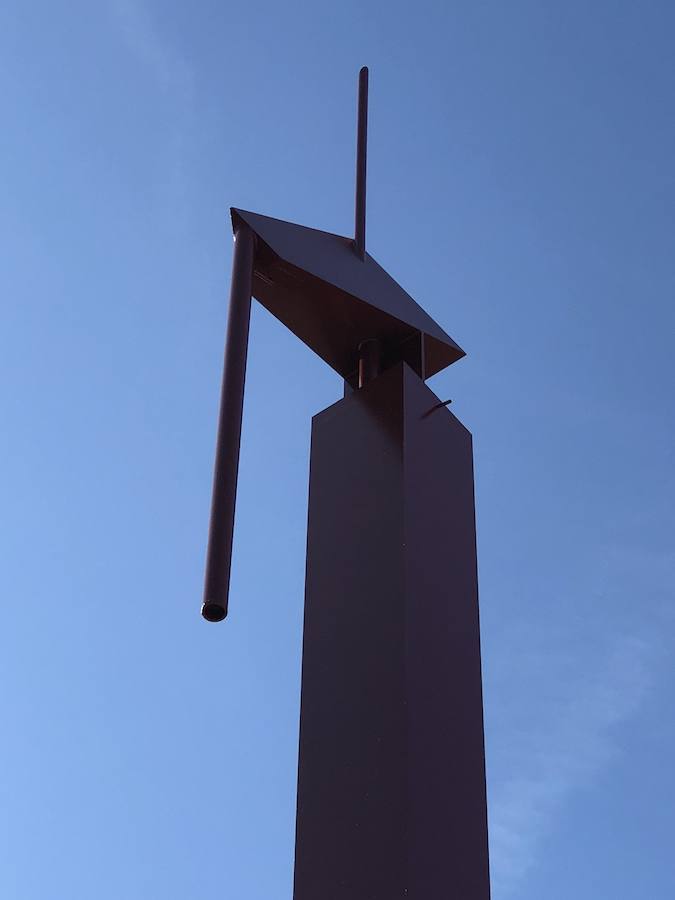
x=391 y=779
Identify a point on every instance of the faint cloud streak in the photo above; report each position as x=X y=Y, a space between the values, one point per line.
x=173 y=77
x=142 y=37
x=572 y=746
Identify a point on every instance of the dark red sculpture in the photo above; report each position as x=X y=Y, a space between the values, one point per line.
x=391 y=779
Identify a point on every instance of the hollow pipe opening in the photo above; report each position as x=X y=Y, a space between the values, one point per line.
x=213 y=612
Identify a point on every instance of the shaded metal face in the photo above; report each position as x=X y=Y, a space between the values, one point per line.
x=316 y=284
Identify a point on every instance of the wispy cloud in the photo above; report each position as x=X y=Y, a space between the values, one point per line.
x=560 y=752
x=143 y=38
x=172 y=77
x=565 y=688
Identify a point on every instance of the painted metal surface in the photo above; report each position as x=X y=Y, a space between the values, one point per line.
x=338 y=300
x=221 y=527
x=315 y=283
x=361 y=154
x=391 y=779
x=391 y=775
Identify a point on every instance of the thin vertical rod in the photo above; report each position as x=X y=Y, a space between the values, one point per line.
x=219 y=553
x=361 y=147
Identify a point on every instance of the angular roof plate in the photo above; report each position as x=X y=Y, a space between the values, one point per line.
x=315 y=284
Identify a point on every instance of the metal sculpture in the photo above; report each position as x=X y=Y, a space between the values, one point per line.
x=391 y=777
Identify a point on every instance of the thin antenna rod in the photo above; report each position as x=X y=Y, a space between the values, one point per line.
x=361 y=146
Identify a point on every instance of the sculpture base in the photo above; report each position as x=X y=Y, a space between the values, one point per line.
x=391 y=781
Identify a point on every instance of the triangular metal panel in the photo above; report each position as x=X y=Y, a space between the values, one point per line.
x=331 y=258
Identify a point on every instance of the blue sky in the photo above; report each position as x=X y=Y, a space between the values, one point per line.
x=521 y=187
